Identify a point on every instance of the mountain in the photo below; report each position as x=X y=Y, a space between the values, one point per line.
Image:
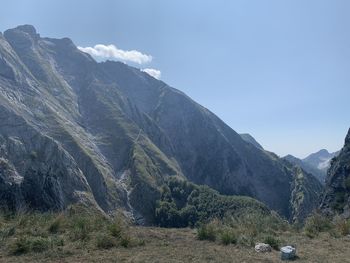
x=320 y=160
x=250 y=139
x=319 y=174
x=316 y=163
x=336 y=198
x=306 y=193
x=109 y=135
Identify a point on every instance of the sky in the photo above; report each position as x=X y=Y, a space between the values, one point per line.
x=279 y=70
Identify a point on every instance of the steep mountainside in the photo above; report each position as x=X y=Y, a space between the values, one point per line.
x=306 y=193
x=319 y=174
x=74 y=130
x=248 y=138
x=336 y=199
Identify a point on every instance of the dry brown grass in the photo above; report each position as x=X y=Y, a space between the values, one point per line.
x=181 y=245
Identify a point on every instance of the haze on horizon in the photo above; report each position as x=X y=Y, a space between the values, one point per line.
x=277 y=70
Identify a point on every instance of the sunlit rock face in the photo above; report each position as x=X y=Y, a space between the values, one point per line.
x=336 y=199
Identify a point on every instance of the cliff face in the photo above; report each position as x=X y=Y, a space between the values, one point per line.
x=74 y=130
x=306 y=193
x=336 y=199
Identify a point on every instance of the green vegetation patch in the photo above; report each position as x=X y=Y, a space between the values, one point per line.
x=185 y=204
x=57 y=234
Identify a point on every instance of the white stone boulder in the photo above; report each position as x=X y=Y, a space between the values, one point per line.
x=262 y=248
x=288 y=253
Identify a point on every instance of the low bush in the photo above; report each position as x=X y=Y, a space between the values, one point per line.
x=315 y=224
x=228 y=236
x=206 y=232
x=81 y=228
x=342 y=226
x=115 y=229
x=125 y=241
x=272 y=241
x=19 y=246
x=55 y=226
x=39 y=244
x=104 y=241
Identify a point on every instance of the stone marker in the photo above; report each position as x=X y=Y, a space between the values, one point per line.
x=262 y=248
x=288 y=253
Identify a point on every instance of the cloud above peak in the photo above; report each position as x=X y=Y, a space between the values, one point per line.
x=153 y=72
x=104 y=52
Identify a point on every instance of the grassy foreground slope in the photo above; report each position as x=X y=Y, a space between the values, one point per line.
x=181 y=245
x=82 y=235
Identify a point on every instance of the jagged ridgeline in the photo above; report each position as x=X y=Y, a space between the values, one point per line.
x=108 y=135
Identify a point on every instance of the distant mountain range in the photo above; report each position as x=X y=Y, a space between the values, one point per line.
x=109 y=135
x=316 y=163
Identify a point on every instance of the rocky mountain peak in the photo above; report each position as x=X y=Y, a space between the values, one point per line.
x=27 y=29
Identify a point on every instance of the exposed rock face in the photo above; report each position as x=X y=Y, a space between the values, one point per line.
x=72 y=127
x=248 y=138
x=336 y=199
x=306 y=193
x=319 y=174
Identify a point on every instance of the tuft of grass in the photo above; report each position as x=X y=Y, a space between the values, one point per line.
x=228 y=237
x=342 y=226
x=315 y=224
x=39 y=244
x=115 y=229
x=125 y=241
x=104 y=241
x=56 y=225
x=272 y=241
x=19 y=246
x=81 y=228
x=206 y=232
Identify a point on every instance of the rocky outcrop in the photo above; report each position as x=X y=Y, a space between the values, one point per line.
x=336 y=199
x=305 y=196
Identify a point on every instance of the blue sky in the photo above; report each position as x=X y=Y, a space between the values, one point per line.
x=279 y=70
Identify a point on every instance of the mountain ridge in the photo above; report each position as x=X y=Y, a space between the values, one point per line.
x=108 y=119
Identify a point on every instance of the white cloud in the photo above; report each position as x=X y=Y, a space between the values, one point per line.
x=153 y=72
x=112 y=52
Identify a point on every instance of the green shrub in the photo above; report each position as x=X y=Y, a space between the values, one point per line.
x=115 y=229
x=55 y=226
x=8 y=232
x=206 y=232
x=228 y=237
x=81 y=228
x=57 y=241
x=105 y=242
x=272 y=241
x=315 y=224
x=125 y=241
x=39 y=244
x=342 y=226
x=19 y=246
x=245 y=240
